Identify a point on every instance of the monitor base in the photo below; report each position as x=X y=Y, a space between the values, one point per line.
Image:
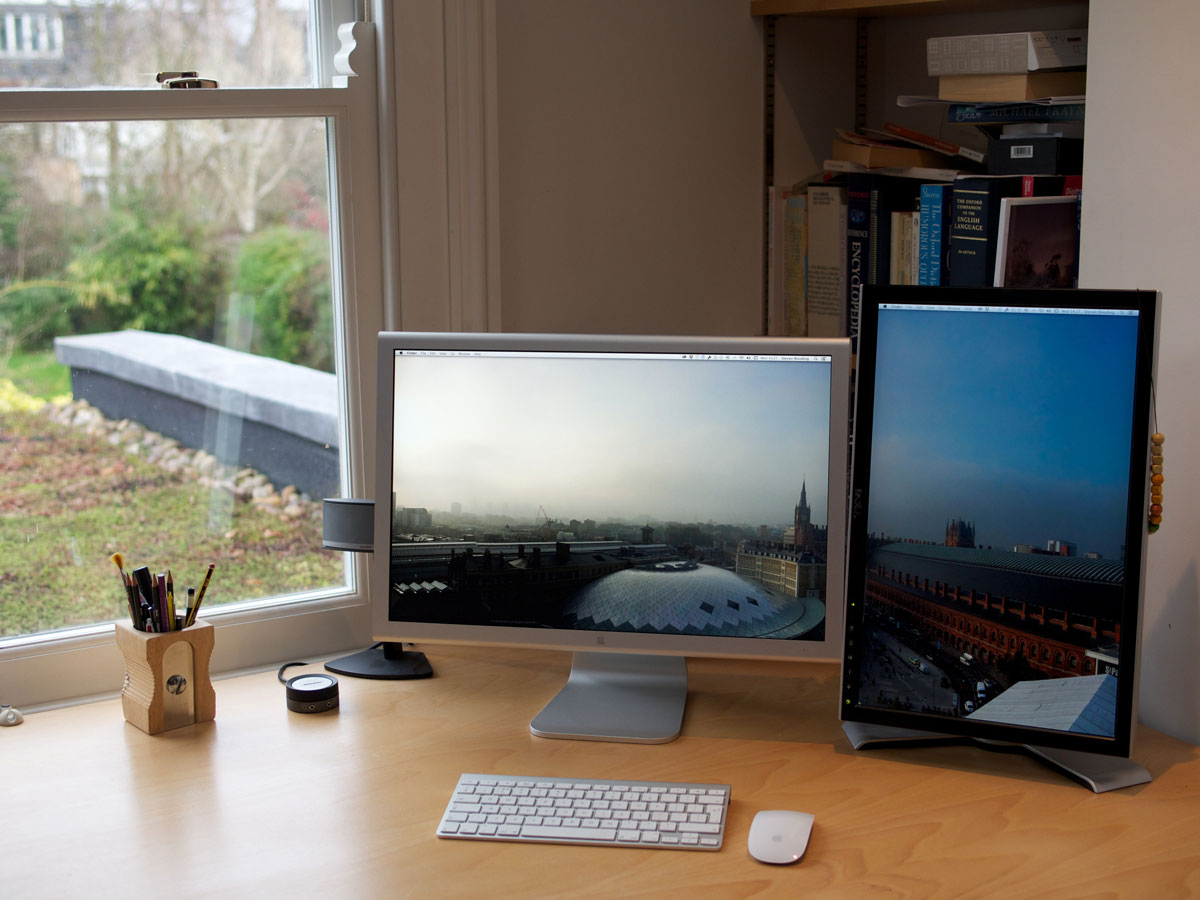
x=1095 y=770
x=386 y=660
x=619 y=697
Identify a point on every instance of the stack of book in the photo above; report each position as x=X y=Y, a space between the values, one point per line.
x=857 y=223
x=812 y=277
x=1013 y=79
x=895 y=206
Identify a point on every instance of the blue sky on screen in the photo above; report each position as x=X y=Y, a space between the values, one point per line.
x=1019 y=422
x=691 y=441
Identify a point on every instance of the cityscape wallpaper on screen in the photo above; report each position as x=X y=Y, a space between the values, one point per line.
x=628 y=493
x=1000 y=454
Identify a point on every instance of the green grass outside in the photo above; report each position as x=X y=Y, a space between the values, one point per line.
x=68 y=501
x=37 y=373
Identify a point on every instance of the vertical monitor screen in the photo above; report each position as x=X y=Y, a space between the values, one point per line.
x=616 y=493
x=999 y=507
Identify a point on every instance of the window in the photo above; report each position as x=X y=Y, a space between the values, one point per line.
x=152 y=232
x=32 y=34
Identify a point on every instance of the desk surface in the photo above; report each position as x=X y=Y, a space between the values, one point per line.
x=263 y=802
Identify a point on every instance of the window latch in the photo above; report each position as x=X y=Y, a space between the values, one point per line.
x=184 y=80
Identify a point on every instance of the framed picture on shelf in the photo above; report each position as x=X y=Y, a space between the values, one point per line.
x=1038 y=242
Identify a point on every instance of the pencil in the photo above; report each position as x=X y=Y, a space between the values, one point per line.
x=145 y=588
x=200 y=595
x=135 y=606
x=160 y=586
x=119 y=561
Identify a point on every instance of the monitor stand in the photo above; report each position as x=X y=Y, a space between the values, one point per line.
x=386 y=660
x=1097 y=771
x=622 y=697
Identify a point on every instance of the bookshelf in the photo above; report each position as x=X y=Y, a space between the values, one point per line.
x=881 y=7
x=1135 y=227
x=841 y=64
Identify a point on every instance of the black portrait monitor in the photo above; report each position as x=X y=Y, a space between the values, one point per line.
x=999 y=512
x=632 y=499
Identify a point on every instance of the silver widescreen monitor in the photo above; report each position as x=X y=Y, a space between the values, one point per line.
x=1000 y=500
x=633 y=499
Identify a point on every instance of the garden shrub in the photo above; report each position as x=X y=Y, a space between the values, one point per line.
x=284 y=274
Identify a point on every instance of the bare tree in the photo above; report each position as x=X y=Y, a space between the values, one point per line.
x=221 y=171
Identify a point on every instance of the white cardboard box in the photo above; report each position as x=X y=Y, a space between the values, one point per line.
x=1012 y=53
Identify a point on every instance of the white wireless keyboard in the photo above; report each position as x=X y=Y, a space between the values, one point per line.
x=663 y=814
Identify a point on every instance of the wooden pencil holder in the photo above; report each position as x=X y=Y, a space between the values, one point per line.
x=167 y=684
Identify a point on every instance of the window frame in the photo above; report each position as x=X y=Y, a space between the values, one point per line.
x=49 y=669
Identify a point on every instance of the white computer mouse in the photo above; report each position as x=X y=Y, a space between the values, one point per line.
x=779 y=835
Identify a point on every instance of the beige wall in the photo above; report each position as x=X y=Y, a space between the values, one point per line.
x=1140 y=201
x=630 y=166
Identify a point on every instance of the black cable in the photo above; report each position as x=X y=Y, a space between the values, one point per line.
x=282 y=680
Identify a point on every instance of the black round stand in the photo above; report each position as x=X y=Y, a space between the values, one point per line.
x=386 y=660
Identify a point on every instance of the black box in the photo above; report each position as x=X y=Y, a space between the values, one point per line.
x=1035 y=155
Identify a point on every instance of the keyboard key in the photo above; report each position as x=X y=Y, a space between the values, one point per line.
x=561 y=832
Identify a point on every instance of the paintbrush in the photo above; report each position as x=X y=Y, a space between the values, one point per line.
x=127 y=583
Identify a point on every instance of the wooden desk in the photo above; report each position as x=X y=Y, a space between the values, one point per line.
x=263 y=802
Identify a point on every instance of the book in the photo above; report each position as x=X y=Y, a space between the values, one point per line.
x=896 y=273
x=888 y=194
x=1043 y=185
x=1010 y=52
x=1004 y=113
x=1035 y=155
x=975 y=220
x=1012 y=88
x=949 y=148
x=795 y=256
x=932 y=245
x=902 y=258
x=1038 y=242
x=912 y=245
x=775 y=207
x=825 y=278
x=873 y=152
x=924 y=173
x=1042 y=129
x=858 y=214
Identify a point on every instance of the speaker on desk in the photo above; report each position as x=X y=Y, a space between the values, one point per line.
x=348 y=523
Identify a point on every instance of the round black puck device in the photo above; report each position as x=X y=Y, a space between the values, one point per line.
x=310 y=693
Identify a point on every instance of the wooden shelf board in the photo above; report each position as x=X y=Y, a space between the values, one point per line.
x=880 y=7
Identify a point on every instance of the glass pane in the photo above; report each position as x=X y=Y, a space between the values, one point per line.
x=167 y=383
x=125 y=43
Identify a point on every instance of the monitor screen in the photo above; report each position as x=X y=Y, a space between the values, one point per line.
x=660 y=495
x=999 y=507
